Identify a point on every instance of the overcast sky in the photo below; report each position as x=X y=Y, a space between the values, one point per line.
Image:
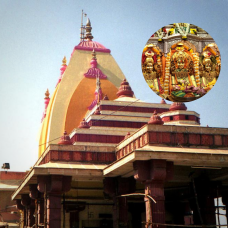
x=35 y=36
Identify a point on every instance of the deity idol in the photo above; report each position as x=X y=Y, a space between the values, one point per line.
x=182 y=67
x=181 y=73
x=151 y=66
x=209 y=68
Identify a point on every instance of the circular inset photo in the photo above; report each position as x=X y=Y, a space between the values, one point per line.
x=181 y=62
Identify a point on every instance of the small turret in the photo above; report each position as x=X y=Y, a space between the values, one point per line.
x=62 y=69
x=83 y=124
x=106 y=97
x=163 y=101
x=97 y=112
x=155 y=119
x=65 y=139
x=125 y=90
x=177 y=106
x=46 y=102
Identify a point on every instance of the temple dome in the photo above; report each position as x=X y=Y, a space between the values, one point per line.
x=90 y=45
x=177 y=106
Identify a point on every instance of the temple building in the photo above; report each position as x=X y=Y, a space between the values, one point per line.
x=108 y=159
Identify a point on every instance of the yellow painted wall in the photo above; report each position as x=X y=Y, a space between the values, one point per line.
x=83 y=97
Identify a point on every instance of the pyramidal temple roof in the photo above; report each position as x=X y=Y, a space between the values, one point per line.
x=74 y=92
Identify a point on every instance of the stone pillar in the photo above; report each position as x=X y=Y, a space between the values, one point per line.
x=54 y=210
x=22 y=211
x=53 y=186
x=31 y=211
x=40 y=209
x=153 y=174
x=34 y=195
x=29 y=204
x=39 y=204
x=115 y=187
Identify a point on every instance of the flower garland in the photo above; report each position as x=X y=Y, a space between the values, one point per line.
x=181 y=31
x=158 y=59
x=167 y=73
x=196 y=68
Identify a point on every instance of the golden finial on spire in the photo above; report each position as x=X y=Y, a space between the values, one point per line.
x=88 y=23
x=88 y=27
x=47 y=94
x=64 y=61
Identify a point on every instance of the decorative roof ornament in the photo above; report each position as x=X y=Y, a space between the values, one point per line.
x=183 y=29
x=62 y=69
x=98 y=94
x=88 y=28
x=125 y=90
x=97 y=112
x=106 y=97
x=177 y=106
x=83 y=124
x=93 y=71
x=65 y=139
x=163 y=101
x=47 y=94
x=64 y=61
x=155 y=119
x=46 y=102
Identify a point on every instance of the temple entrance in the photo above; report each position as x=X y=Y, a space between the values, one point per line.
x=137 y=214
